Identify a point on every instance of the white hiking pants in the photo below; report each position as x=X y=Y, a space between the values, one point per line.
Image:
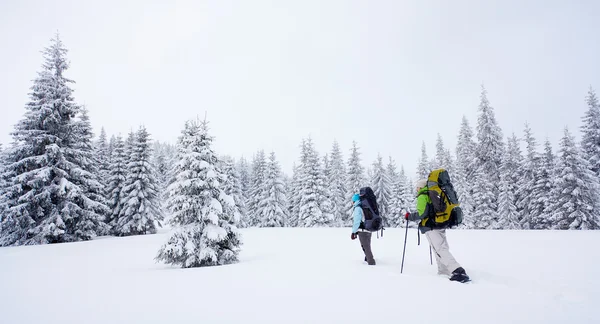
x=445 y=261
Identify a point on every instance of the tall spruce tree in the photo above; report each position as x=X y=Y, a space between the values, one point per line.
x=337 y=184
x=355 y=179
x=203 y=213
x=466 y=165
x=102 y=156
x=443 y=158
x=116 y=182
x=294 y=198
x=425 y=166
x=233 y=188
x=273 y=206
x=489 y=159
x=382 y=186
x=527 y=178
x=257 y=188
x=401 y=199
x=47 y=195
x=590 y=141
x=3 y=184
x=314 y=205
x=509 y=176
x=545 y=186
x=576 y=191
x=90 y=180
x=141 y=206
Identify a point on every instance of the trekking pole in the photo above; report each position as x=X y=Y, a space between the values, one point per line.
x=430 y=256
x=404 y=250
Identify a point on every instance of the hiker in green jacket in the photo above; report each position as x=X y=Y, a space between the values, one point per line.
x=436 y=236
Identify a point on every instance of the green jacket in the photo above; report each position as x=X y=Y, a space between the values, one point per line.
x=423 y=206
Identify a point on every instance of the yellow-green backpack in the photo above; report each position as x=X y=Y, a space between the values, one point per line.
x=444 y=201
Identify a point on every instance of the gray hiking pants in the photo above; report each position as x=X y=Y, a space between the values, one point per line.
x=445 y=261
x=365 y=243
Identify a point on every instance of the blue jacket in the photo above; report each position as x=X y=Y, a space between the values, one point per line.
x=358 y=216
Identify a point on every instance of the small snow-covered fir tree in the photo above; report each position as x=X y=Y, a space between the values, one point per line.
x=257 y=188
x=89 y=179
x=272 y=209
x=233 y=188
x=576 y=191
x=443 y=158
x=463 y=178
x=355 y=179
x=2 y=185
x=489 y=159
x=203 y=214
x=337 y=184
x=163 y=160
x=526 y=180
x=116 y=181
x=294 y=198
x=243 y=170
x=141 y=208
x=382 y=186
x=546 y=178
x=314 y=205
x=425 y=166
x=509 y=175
x=47 y=195
x=590 y=141
x=401 y=200
x=102 y=156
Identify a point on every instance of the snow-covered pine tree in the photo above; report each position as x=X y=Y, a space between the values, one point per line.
x=2 y=185
x=272 y=209
x=576 y=191
x=424 y=166
x=233 y=188
x=527 y=178
x=314 y=206
x=203 y=213
x=509 y=176
x=90 y=179
x=337 y=184
x=141 y=208
x=545 y=187
x=47 y=192
x=116 y=182
x=163 y=160
x=294 y=198
x=402 y=201
x=382 y=186
x=590 y=141
x=130 y=146
x=443 y=158
x=489 y=158
x=243 y=169
x=102 y=155
x=257 y=187
x=355 y=179
x=463 y=178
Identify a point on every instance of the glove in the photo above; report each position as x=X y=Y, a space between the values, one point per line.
x=407 y=215
x=353 y=236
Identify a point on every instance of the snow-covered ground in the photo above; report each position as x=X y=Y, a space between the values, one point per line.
x=297 y=275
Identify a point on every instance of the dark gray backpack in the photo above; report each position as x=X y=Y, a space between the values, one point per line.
x=368 y=203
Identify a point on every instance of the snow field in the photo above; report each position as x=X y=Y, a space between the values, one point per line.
x=300 y=275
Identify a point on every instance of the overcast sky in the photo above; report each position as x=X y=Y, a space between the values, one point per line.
x=388 y=74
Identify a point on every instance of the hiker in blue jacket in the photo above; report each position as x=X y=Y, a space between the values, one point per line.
x=363 y=236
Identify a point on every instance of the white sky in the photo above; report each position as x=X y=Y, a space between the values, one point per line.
x=388 y=74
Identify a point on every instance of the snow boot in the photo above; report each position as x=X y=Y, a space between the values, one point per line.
x=365 y=242
x=460 y=275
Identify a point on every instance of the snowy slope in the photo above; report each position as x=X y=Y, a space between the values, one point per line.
x=296 y=275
